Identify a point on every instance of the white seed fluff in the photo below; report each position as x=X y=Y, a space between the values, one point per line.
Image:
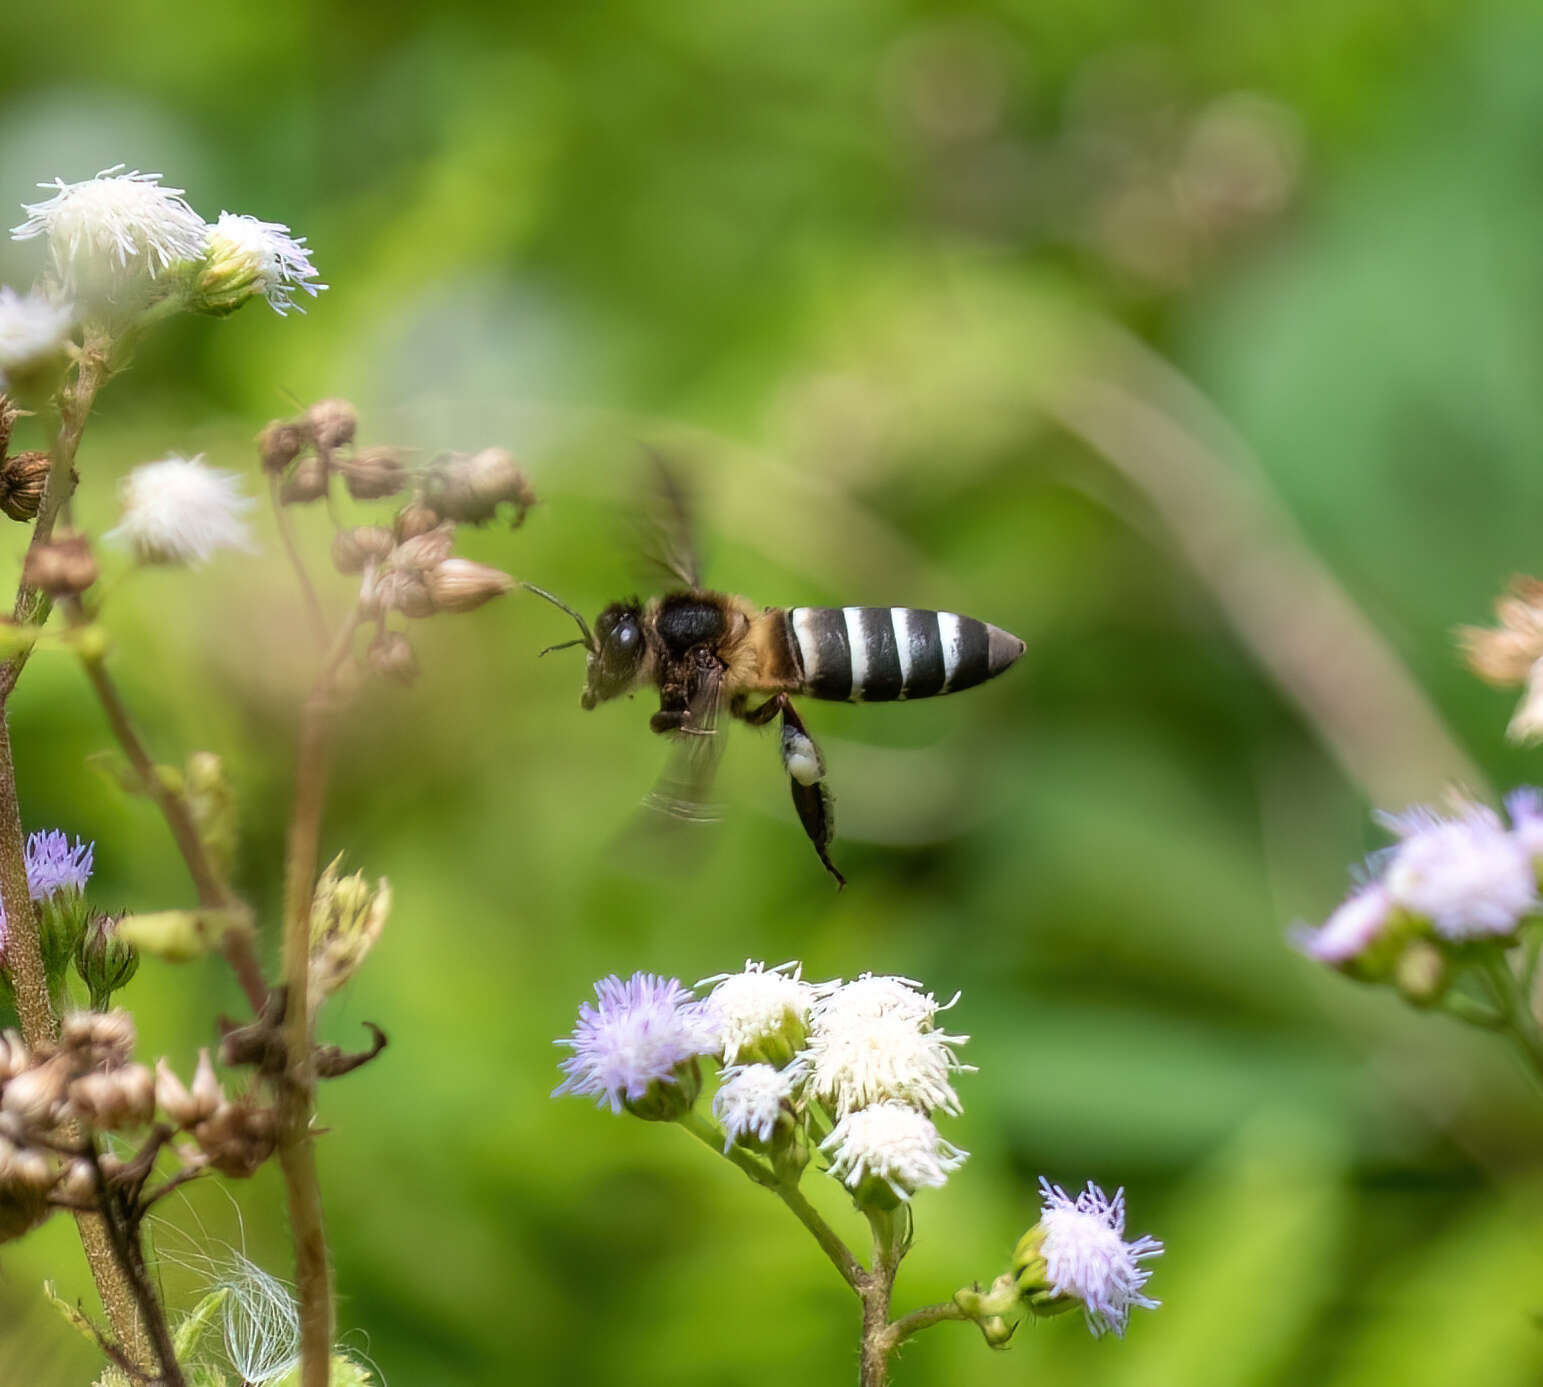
x=33 y=329
x=179 y=511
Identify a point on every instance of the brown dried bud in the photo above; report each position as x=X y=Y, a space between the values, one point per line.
x=391 y=655
x=14 y=1055
x=459 y=585
x=98 y=1039
x=172 y=1097
x=37 y=1095
x=425 y=551
x=352 y=549
x=415 y=519
x=22 y=481
x=373 y=473
x=78 y=1183
x=387 y=590
x=9 y=414
x=471 y=487
x=332 y=423
x=206 y=1093
x=237 y=1139
x=64 y=567
x=308 y=482
x=26 y=1170
x=279 y=444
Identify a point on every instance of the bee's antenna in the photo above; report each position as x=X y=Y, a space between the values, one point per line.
x=586 y=639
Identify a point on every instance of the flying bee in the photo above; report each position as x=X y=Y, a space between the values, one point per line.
x=709 y=652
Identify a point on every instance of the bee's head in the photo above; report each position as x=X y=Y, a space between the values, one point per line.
x=616 y=655
x=616 y=646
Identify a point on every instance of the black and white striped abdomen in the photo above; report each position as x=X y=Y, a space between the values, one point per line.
x=876 y=654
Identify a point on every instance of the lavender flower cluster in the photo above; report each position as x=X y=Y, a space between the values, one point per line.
x=1449 y=880
x=853 y=1075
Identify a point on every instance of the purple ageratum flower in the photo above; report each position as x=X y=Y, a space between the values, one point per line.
x=1469 y=876
x=640 y=1033
x=1352 y=929
x=1087 y=1257
x=54 y=866
x=1525 y=806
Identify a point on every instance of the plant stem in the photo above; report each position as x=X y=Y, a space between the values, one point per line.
x=1517 y=1016
x=297 y=1092
x=876 y=1289
x=852 y=1271
x=900 y=1330
x=207 y=882
x=91 y=373
x=122 y=1233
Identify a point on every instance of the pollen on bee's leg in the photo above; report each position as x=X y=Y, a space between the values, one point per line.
x=800 y=756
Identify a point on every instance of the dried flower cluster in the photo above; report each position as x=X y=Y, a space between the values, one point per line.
x=406 y=569
x=57 y=1100
x=1510 y=655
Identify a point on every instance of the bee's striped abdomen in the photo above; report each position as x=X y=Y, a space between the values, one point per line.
x=875 y=654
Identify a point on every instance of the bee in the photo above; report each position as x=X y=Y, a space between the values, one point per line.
x=711 y=652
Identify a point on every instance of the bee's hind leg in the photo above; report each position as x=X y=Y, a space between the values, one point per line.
x=805 y=765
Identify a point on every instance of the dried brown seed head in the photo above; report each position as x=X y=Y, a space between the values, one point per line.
x=425 y=551
x=23 y=479
x=415 y=519
x=64 y=567
x=352 y=549
x=471 y=486
x=307 y=483
x=280 y=443
x=373 y=473
x=459 y=585
x=332 y=423
x=391 y=655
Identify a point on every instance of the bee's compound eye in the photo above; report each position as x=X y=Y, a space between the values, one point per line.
x=626 y=635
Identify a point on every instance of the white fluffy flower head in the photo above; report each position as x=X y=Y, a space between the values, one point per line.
x=33 y=332
x=892 y=1143
x=117 y=224
x=1087 y=1257
x=1468 y=876
x=180 y=511
x=248 y=257
x=750 y=1100
x=760 y=1013
x=872 y=1041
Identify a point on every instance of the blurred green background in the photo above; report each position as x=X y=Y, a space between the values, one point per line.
x=1026 y=310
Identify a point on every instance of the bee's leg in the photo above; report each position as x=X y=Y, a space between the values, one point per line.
x=758 y=717
x=805 y=766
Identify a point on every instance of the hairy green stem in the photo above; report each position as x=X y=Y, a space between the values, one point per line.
x=852 y=1271
x=297 y=562
x=917 y=1320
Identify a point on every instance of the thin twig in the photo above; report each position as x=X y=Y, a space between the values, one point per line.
x=32 y=606
x=913 y=1323
x=297 y=1091
x=313 y=608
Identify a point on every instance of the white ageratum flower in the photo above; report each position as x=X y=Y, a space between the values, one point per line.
x=1467 y=875
x=761 y=1013
x=247 y=257
x=1086 y=1257
x=1352 y=929
x=34 y=330
x=179 y=511
x=1525 y=806
x=752 y=1098
x=872 y=1040
x=894 y=1144
x=106 y=229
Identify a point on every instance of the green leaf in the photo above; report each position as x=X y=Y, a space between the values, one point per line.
x=187 y=1334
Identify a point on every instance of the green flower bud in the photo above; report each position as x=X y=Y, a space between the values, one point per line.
x=347 y=917
x=668 y=1100
x=104 y=961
